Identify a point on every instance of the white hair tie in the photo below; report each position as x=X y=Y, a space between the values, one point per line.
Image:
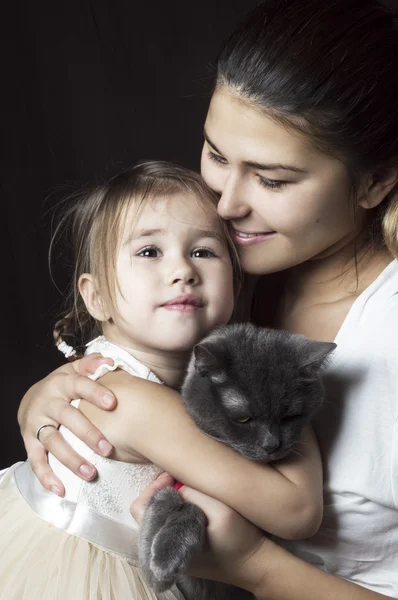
x=68 y=351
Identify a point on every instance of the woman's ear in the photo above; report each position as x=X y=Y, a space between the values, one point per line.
x=377 y=186
x=92 y=298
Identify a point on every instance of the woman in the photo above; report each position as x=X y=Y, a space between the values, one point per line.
x=301 y=144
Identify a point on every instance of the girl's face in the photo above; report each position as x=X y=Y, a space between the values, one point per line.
x=286 y=202
x=174 y=274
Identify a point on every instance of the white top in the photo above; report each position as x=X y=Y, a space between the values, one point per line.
x=118 y=483
x=358 y=435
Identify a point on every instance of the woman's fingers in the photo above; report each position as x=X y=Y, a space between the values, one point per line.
x=89 y=364
x=53 y=441
x=206 y=503
x=139 y=505
x=231 y=539
x=70 y=387
x=48 y=403
x=37 y=457
x=59 y=411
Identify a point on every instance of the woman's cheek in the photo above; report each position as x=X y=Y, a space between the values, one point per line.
x=211 y=174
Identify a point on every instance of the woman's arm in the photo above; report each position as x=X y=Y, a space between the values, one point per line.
x=48 y=401
x=151 y=420
x=275 y=574
x=238 y=553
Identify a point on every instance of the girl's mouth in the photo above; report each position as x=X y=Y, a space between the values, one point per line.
x=243 y=238
x=186 y=303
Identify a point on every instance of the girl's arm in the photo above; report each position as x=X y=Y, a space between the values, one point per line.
x=48 y=401
x=238 y=553
x=151 y=420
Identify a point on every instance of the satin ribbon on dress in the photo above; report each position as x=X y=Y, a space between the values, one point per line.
x=75 y=518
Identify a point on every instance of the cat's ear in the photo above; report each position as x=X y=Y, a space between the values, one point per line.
x=316 y=354
x=206 y=363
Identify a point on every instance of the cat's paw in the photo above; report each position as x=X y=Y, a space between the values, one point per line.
x=179 y=539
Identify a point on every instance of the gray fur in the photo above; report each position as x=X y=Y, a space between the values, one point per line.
x=237 y=372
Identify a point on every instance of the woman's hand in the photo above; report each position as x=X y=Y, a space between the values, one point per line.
x=232 y=542
x=239 y=553
x=48 y=402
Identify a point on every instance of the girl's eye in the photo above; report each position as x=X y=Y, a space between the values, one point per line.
x=216 y=158
x=149 y=252
x=203 y=253
x=272 y=184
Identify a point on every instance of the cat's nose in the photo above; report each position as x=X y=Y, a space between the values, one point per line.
x=270 y=443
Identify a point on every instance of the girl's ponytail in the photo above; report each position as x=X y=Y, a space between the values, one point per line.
x=65 y=330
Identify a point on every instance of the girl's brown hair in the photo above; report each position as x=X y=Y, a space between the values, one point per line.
x=94 y=222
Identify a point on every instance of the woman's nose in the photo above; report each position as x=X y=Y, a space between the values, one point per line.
x=232 y=204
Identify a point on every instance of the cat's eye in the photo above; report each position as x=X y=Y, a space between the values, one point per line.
x=290 y=418
x=243 y=420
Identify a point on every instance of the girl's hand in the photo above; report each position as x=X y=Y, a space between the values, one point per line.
x=138 y=507
x=48 y=402
x=232 y=542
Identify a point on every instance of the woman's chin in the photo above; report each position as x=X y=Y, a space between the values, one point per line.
x=260 y=260
x=255 y=264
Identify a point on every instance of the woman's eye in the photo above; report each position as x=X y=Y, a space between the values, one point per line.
x=272 y=184
x=216 y=158
x=203 y=253
x=149 y=252
x=243 y=420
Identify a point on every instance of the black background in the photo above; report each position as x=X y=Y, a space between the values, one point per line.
x=88 y=88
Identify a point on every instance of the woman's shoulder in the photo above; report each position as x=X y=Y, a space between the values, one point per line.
x=380 y=303
x=375 y=311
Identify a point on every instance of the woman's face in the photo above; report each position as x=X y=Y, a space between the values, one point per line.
x=286 y=202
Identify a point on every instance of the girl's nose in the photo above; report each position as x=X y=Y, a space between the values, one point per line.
x=184 y=272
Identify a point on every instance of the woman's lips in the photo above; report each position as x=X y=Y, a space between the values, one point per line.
x=245 y=238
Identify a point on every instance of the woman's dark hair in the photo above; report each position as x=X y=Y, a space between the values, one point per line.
x=329 y=69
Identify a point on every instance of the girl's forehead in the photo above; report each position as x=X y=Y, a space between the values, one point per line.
x=183 y=210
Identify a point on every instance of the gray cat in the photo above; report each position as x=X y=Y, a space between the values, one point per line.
x=253 y=389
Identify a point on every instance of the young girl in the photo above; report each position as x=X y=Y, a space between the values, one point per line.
x=301 y=145
x=153 y=275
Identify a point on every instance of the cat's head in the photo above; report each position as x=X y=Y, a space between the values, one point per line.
x=254 y=388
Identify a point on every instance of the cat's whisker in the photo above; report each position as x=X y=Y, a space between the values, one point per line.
x=213 y=437
x=293 y=451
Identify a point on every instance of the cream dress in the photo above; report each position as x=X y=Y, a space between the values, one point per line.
x=82 y=546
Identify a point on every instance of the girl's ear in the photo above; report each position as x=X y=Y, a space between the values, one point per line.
x=92 y=298
x=377 y=186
